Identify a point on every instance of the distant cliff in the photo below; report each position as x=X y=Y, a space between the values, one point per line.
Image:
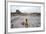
x=17 y=12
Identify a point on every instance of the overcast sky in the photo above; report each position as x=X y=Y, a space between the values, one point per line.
x=25 y=9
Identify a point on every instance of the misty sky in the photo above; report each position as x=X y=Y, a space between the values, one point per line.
x=25 y=9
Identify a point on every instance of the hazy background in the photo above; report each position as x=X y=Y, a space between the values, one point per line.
x=25 y=9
